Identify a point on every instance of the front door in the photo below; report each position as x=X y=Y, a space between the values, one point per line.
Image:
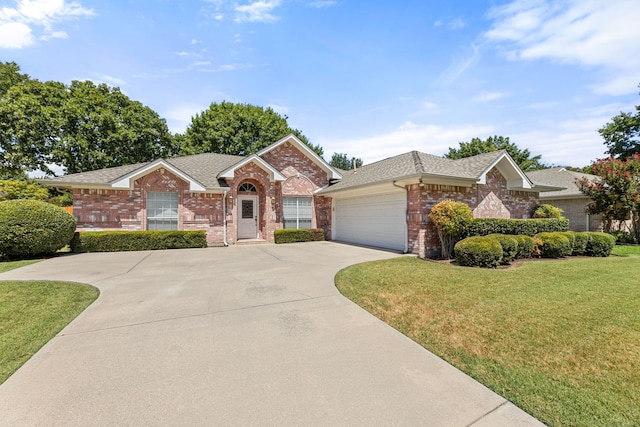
x=248 y=213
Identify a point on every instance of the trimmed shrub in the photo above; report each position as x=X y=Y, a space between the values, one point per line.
x=537 y=247
x=31 y=227
x=290 y=235
x=547 y=211
x=478 y=251
x=527 y=227
x=623 y=237
x=572 y=239
x=600 y=244
x=451 y=219
x=525 y=246
x=580 y=244
x=554 y=245
x=118 y=241
x=509 y=245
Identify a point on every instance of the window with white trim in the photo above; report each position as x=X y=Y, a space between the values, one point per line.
x=297 y=212
x=162 y=210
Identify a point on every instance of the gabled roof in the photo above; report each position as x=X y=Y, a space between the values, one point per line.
x=204 y=172
x=429 y=168
x=560 y=177
x=200 y=170
x=301 y=146
x=274 y=174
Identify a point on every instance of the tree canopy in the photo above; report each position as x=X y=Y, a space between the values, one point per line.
x=240 y=129
x=495 y=143
x=79 y=127
x=344 y=162
x=622 y=134
x=616 y=195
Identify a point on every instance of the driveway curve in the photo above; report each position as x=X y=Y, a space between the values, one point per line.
x=244 y=335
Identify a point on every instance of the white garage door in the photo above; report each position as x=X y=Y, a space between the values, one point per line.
x=378 y=220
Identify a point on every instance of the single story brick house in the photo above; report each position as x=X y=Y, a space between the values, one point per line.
x=287 y=185
x=569 y=198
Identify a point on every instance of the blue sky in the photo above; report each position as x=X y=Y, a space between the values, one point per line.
x=369 y=78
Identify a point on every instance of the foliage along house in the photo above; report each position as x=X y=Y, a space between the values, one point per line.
x=569 y=198
x=287 y=185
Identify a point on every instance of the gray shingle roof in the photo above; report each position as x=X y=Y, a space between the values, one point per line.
x=559 y=177
x=206 y=167
x=415 y=163
x=203 y=168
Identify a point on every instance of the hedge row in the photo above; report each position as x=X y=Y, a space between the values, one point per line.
x=289 y=235
x=117 y=241
x=495 y=249
x=525 y=227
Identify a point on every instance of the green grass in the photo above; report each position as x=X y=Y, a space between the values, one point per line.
x=560 y=339
x=631 y=250
x=31 y=313
x=10 y=265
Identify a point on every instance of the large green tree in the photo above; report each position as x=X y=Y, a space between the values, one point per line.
x=616 y=194
x=622 y=134
x=10 y=75
x=241 y=129
x=344 y=162
x=495 y=143
x=79 y=127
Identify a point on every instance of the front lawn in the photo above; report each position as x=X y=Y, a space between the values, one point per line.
x=10 y=265
x=559 y=338
x=31 y=313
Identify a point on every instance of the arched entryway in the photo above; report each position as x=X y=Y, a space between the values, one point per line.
x=248 y=212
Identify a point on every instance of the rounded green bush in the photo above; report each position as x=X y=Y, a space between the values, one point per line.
x=509 y=245
x=572 y=239
x=580 y=245
x=600 y=244
x=525 y=246
x=478 y=251
x=31 y=227
x=547 y=211
x=554 y=245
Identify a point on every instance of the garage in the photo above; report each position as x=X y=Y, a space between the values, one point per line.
x=376 y=220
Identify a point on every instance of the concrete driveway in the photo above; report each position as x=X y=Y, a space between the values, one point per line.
x=244 y=335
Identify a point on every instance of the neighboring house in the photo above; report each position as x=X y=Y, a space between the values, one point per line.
x=570 y=199
x=287 y=185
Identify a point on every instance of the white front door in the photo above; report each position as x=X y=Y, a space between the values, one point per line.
x=248 y=217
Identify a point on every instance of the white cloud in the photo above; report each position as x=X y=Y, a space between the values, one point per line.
x=257 y=11
x=17 y=24
x=319 y=4
x=280 y=109
x=589 y=33
x=459 y=65
x=456 y=24
x=489 y=96
x=15 y=35
x=430 y=138
x=110 y=80
x=179 y=116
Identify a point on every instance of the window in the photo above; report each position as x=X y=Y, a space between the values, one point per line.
x=162 y=211
x=248 y=188
x=297 y=212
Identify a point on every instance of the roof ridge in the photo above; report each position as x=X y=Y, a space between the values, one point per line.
x=417 y=161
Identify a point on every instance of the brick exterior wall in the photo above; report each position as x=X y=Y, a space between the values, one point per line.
x=104 y=209
x=423 y=236
x=575 y=212
x=107 y=209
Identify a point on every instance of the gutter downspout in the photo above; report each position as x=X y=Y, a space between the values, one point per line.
x=224 y=218
x=406 y=220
